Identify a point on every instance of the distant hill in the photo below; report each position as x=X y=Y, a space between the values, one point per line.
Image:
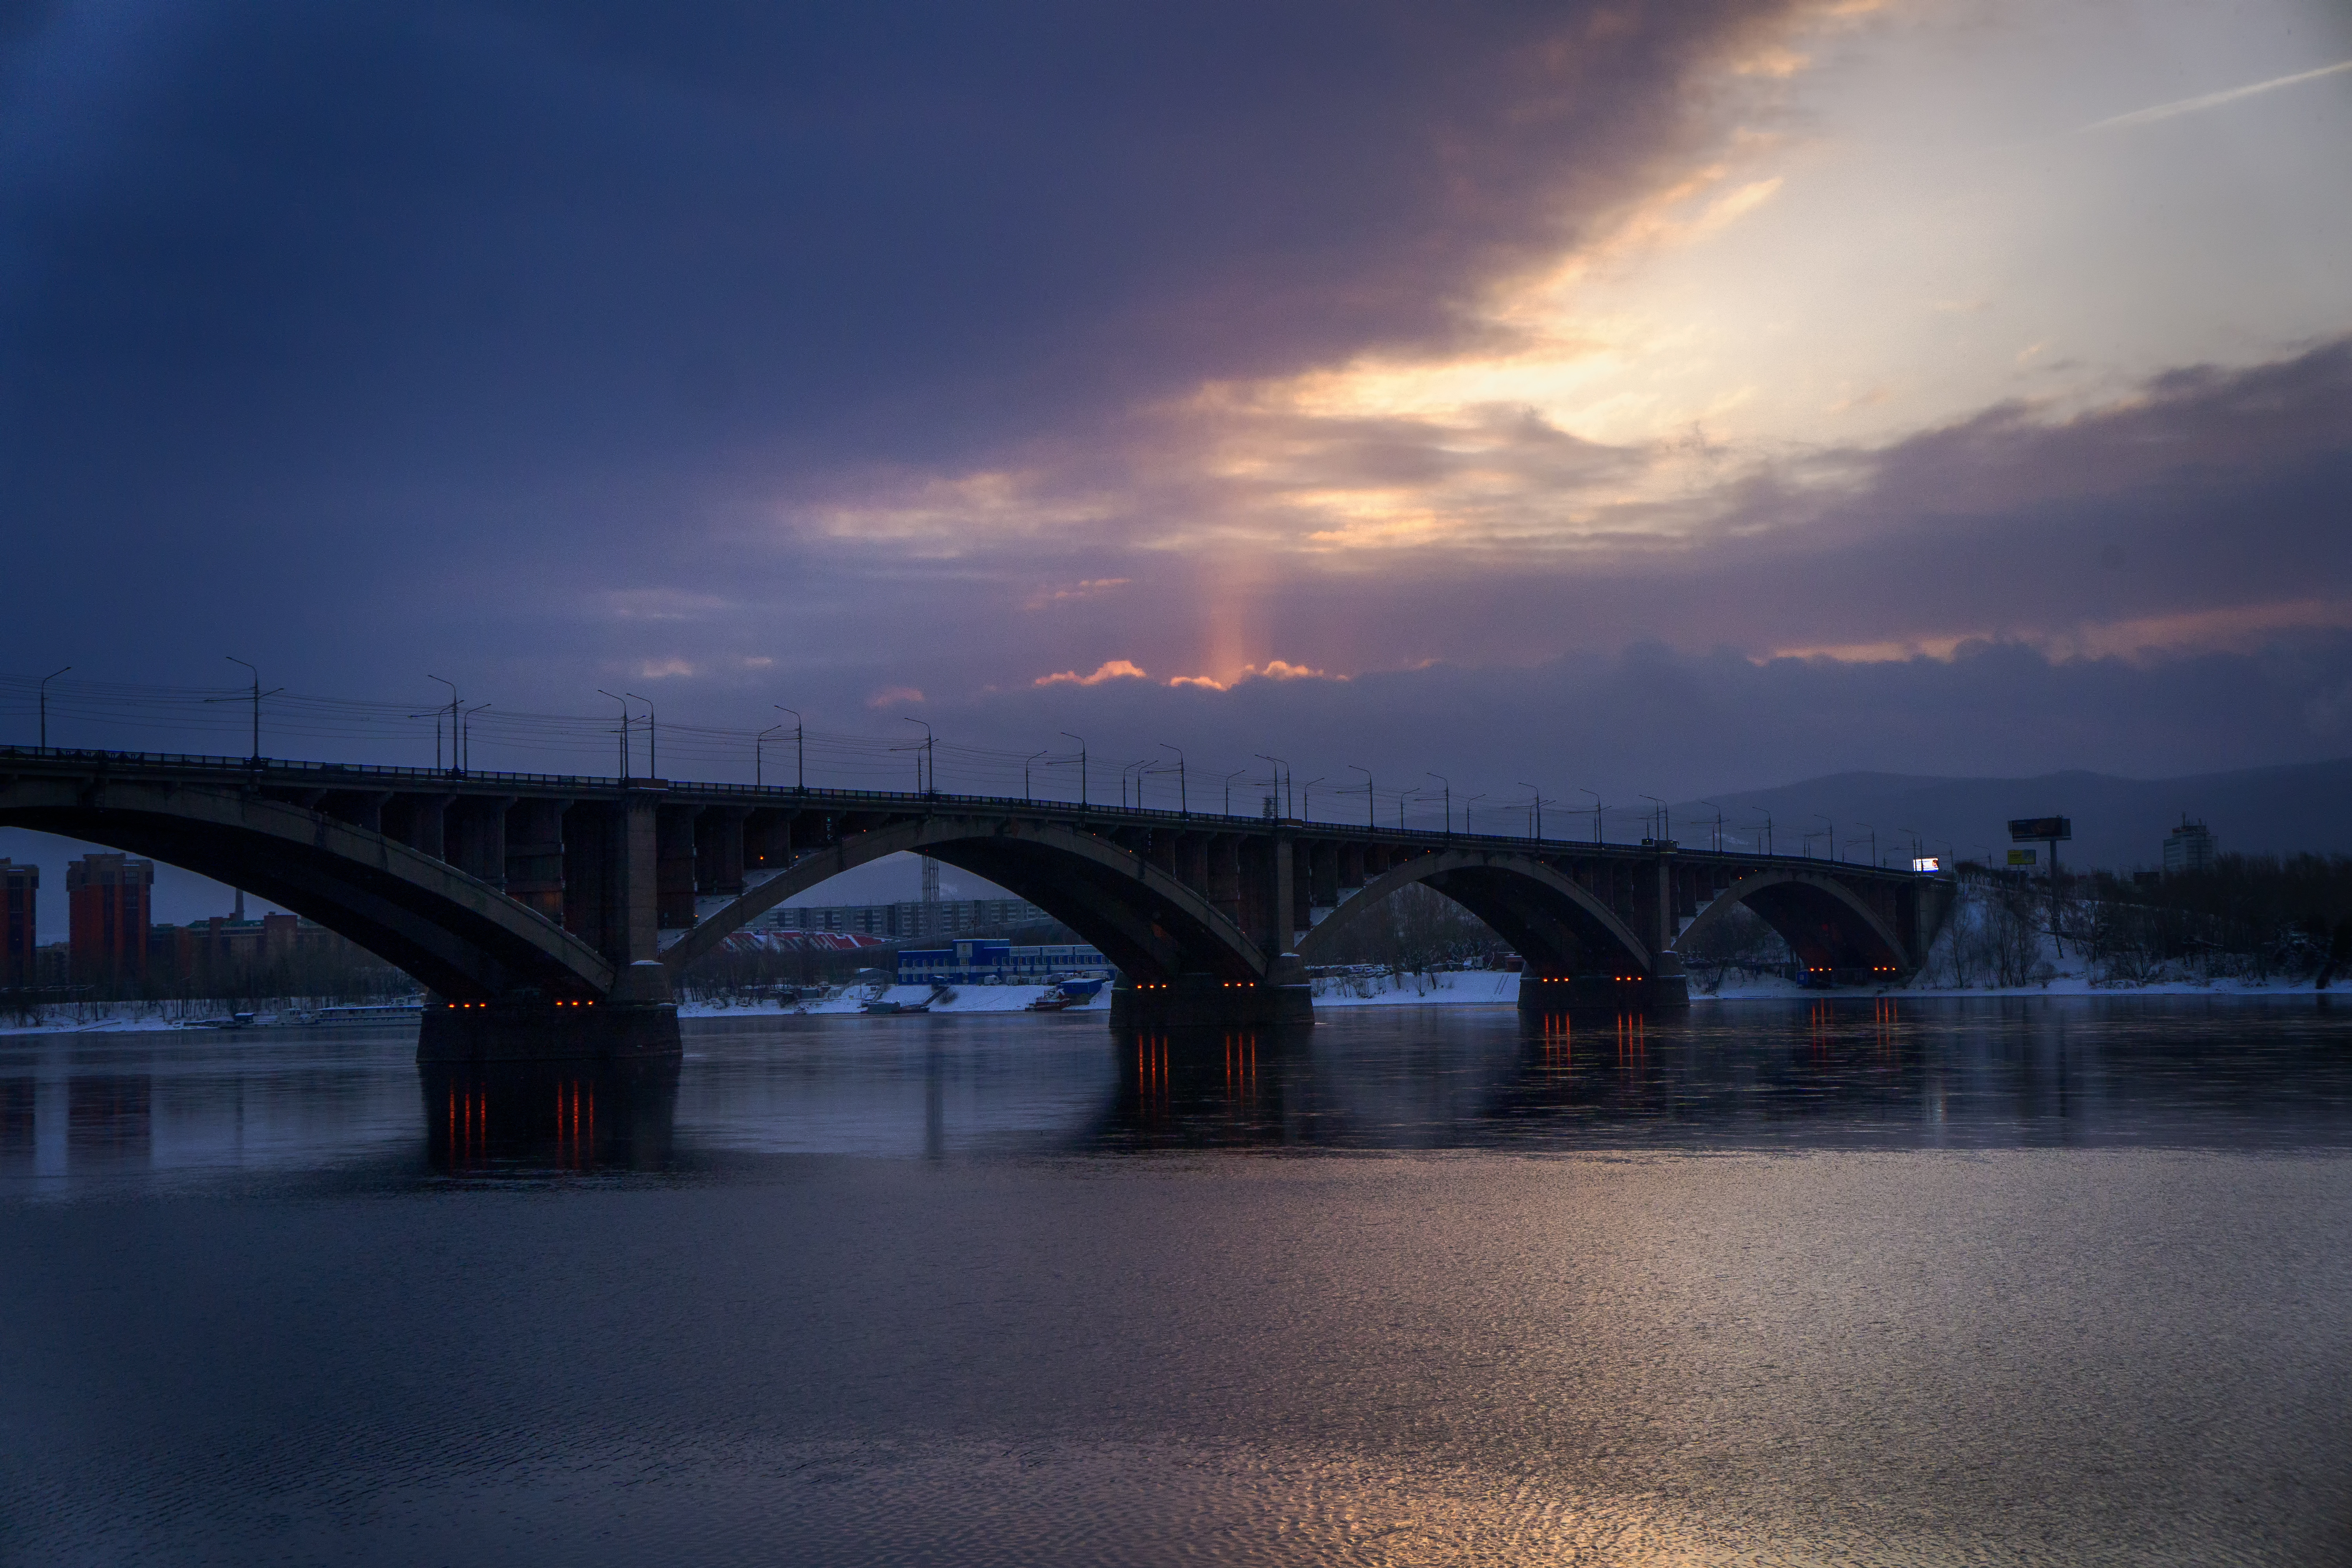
x=2118 y=823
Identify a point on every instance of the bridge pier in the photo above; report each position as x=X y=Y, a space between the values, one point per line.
x=638 y=1021
x=1630 y=992
x=1205 y=1002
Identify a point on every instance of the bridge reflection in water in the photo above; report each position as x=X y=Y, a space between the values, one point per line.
x=534 y=1118
x=1880 y=1072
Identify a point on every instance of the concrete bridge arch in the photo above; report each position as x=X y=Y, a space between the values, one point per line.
x=461 y=937
x=1153 y=927
x=1557 y=926
x=1825 y=924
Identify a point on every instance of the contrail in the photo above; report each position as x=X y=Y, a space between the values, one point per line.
x=2213 y=99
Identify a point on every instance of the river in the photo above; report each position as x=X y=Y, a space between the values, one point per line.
x=1844 y=1281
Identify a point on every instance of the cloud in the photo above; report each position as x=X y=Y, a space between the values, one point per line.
x=893 y=697
x=1093 y=587
x=1112 y=669
x=1272 y=669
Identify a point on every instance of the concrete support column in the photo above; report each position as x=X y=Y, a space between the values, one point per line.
x=719 y=850
x=474 y=836
x=1323 y=887
x=768 y=840
x=360 y=809
x=674 y=874
x=532 y=846
x=1299 y=860
x=1222 y=856
x=640 y=878
x=420 y=821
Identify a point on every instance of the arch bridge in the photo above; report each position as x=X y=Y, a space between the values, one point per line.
x=555 y=914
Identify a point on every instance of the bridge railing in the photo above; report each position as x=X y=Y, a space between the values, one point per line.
x=294 y=772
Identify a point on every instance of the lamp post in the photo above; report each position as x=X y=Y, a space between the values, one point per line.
x=1081 y=739
x=1281 y=771
x=1306 y=813
x=1537 y=806
x=1767 y=829
x=799 y=749
x=1024 y=772
x=1718 y=826
x=1874 y=843
x=44 y=705
x=1833 y=833
x=1229 y=779
x=453 y=726
x=625 y=731
x=759 y=774
x=1470 y=814
x=1448 y=785
x=463 y=740
x=930 y=762
x=1596 y=810
x=1353 y=767
x=256 y=697
x=653 y=738
x=1183 y=794
x=1665 y=826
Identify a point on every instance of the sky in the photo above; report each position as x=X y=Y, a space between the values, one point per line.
x=1627 y=398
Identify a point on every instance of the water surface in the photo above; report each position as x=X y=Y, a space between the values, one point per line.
x=1825 y=1281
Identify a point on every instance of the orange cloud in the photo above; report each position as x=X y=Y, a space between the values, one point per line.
x=1111 y=670
x=1272 y=669
x=894 y=696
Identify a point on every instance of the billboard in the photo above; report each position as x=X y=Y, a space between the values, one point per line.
x=2025 y=829
x=2024 y=856
x=1928 y=863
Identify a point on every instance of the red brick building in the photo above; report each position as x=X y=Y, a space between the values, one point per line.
x=19 y=886
x=110 y=903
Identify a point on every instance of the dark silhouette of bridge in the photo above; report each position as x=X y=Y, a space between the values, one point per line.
x=553 y=915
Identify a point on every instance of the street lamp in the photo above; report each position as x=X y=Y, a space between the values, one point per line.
x=1718 y=826
x=799 y=749
x=1873 y=842
x=1229 y=779
x=625 y=731
x=1833 y=833
x=1538 y=806
x=1306 y=813
x=1470 y=814
x=931 y=763
x=463 y=740
x=1183 y=795
x=1353 y=767
x=1025 y=770
x=45 y=706
x=1081 y=739
x=1442 y=779
x=453 y=726
x=1281 y=771
x=758 y=773
x=653 y=738
x=1768 y=828
x=1596 y=810
x=1663 y=826
x=258 y=694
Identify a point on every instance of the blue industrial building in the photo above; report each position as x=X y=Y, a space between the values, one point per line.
x=987 y=961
